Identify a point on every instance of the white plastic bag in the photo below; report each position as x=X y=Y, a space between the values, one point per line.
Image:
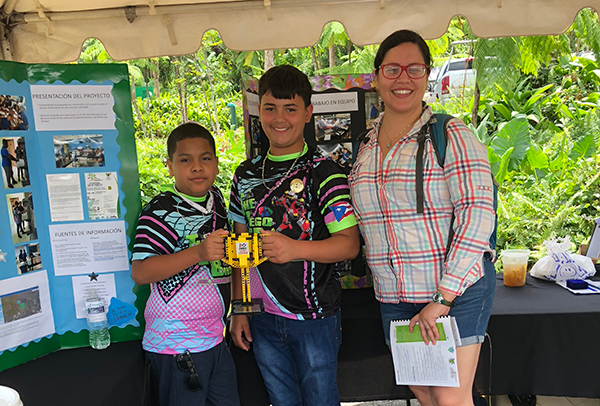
x=560 y=264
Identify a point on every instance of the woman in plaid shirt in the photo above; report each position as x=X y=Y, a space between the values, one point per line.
x=418 y=273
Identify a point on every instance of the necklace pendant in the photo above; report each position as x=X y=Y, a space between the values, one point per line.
x=296 y=186
x=389 y=144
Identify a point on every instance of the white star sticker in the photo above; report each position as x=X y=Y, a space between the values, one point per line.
x=2 y=256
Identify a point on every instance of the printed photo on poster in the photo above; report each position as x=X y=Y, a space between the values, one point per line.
x=25 y=309
x=255 y=129
x=78 y=151
x=373 y=107
x=332 y=126
x=28 y=258
x=339 y=153
x=20 y=211
x=15 y=169
x=13 y=114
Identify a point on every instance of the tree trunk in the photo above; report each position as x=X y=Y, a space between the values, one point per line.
x=136 y=108
x=331 y=57
x=349 y=51
x=214 y=117
x=269 y=59
x=476 y=97
x=180 y=92
x=185 y=90
x=313 y=53
x=155 y=78
x=145 y=71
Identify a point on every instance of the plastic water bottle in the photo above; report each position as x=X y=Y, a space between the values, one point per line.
x=97 y=324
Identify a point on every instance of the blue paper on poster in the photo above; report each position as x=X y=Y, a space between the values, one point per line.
x=120 y=313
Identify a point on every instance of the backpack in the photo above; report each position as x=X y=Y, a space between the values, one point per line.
x=435 y=129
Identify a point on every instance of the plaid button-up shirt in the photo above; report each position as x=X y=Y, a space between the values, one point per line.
x=406 y=250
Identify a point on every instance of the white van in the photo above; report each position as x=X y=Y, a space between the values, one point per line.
x=454 y=77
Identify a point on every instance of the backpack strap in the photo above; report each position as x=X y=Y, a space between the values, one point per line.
x=436 y=129
x=358 y=143
x=421 y=136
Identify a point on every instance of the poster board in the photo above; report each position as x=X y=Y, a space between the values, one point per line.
x=69 y=204
x=344 y=107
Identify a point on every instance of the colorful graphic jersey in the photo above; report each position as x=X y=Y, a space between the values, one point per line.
x=185 y=311
x=310 y=203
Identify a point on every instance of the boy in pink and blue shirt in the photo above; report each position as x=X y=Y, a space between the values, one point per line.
x=178 y=248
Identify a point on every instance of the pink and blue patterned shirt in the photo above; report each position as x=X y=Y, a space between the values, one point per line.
x=187 y=310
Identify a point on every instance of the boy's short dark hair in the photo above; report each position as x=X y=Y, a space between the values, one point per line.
x=185 y=131
x=285 y=82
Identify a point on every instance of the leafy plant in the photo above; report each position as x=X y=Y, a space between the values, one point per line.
x=515 y=135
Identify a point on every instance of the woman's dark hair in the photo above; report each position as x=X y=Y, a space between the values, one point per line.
x=400 y=37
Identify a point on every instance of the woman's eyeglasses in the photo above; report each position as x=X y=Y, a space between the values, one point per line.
x=185 y=364
x=394 y=71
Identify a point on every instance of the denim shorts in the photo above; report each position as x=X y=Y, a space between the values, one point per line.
x=471 y=311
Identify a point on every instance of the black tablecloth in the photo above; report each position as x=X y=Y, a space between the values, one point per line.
x=545 y=341
x=81 y=376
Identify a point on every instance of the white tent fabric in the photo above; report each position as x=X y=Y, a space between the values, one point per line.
x=39 y=31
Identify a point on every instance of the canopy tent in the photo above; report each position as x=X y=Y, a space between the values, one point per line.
x=46 y=31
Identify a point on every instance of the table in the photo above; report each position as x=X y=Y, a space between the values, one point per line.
x=81 y=376
x=544 y=340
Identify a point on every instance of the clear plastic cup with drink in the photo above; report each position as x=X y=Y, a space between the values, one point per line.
x=514 y=267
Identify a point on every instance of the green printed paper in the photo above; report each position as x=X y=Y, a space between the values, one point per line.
x=403 y=335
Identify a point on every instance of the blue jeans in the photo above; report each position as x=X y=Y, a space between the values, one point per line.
x=215 y=369
x=298 y=358
x=472 y=309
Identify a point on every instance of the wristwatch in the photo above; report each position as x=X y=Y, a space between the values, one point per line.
x=439 y=299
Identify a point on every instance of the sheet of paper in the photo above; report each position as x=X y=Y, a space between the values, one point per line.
x=418 y=364
x=334 y=102
x=83 y=248
x=64 y=196
x=102 y=195
x=593 y=288
x=73 y=107
x=25 y=309
x=253 y=102
x=103 y=284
